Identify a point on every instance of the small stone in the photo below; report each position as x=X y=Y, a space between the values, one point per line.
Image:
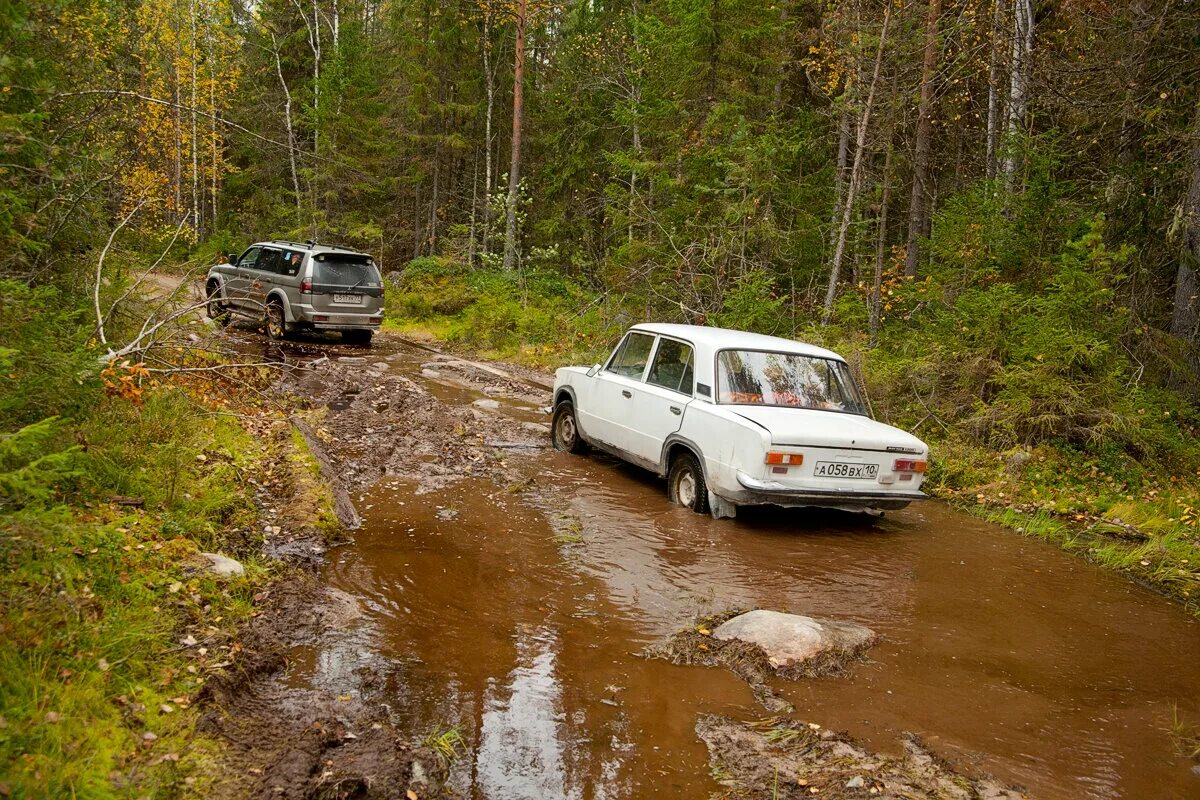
x=149 y=737
x=52 y=717
x=487 y=402
x=223 y=565
x=856 y=782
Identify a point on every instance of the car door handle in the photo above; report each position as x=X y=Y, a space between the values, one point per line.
x=626 y=393
x=676 y=410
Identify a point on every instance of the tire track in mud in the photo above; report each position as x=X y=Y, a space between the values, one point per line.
x=363 y=414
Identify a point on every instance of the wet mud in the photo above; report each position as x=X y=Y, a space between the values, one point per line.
x=492 y=615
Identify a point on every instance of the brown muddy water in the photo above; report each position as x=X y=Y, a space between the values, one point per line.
x=518 y=618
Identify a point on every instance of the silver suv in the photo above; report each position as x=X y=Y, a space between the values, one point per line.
x=291 y=286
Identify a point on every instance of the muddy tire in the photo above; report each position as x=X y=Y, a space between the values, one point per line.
x=564 y=430
x=215 y=309
x=275 y=321
x=685 y=483
x=358 y=337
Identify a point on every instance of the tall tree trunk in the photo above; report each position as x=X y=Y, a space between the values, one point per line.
x=993 y=118
x=471 y=243
x=839 y=175
x=489 y=77
x=918 y=209
x=1018 y=81
x=287 y=122
x=514 y=168
x=197 y=211
x=1185 y=314
x=880 y=249
x=314 y=44
x=860 y=141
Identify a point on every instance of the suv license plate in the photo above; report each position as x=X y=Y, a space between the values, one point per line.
x=349 y=299
x=840 y=469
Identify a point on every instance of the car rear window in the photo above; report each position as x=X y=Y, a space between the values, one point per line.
x=345 y=271
x=757 y=378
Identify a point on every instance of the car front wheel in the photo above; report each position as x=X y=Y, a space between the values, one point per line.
x=685 y=483
x=564 y=430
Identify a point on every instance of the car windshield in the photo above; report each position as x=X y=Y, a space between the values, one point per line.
x=757 y=378
x=346 y=271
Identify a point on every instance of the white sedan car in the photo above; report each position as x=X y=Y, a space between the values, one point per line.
x=732 y=418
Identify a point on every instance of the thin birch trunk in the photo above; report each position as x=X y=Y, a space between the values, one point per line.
x=880 y=249
x=514 y=170
x=1018 y=81
x=489 y=76
x=195 y=143
x=839 y=176
x=471 y=246
x=993 y=118
x=855 y=173
x=287 y=122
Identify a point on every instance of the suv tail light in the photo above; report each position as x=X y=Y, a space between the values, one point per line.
x=305 y=287
x=909 y=465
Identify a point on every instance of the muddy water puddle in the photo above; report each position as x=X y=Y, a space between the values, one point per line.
x=514 y=612
x=1005 y=654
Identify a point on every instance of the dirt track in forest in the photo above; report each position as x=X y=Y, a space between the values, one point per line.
x=482 y=633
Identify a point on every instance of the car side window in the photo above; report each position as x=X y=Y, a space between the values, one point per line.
x=292 y=260
x=249 y=258
x=672 y=367
x=631 y=357
x=270 y=261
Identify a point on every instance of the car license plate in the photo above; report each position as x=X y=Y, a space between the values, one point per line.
x=349 y=299
x=841 y=469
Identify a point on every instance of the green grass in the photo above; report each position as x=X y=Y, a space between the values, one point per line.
x=95 y=598
x=446 y=743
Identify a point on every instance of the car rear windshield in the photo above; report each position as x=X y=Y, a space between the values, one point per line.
x=345 y=271
x=758 y=378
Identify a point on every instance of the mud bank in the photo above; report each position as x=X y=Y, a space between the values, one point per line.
x=790 y=759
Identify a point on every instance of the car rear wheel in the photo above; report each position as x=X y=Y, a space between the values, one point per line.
x=564 y=430
x=215 y=308
x=359 y=337
x=685 y=483
x=276 y=322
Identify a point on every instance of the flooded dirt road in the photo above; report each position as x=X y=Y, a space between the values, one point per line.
x=506 y=591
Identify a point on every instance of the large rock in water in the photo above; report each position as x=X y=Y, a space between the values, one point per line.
x=789 y=639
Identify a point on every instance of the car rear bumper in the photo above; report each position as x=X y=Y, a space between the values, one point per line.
x=758 y=492
x=334 y=321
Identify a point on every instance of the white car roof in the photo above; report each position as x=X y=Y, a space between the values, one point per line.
x=713 y=339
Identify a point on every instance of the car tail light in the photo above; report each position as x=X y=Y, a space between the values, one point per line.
x=305 y=287
x=795 y=459
x=320 y=318
x=909 y=465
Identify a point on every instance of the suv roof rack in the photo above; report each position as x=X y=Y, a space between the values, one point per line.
x=289 y=241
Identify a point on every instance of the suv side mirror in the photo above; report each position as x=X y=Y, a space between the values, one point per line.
x=591 y=373
x=231 y=259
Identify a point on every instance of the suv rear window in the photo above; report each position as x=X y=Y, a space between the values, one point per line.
x=345 y=271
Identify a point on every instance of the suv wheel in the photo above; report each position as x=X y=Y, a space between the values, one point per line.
x=564 y=430
x=357 y=336
x=685 y=483
x=215 y=308
x=276 y=322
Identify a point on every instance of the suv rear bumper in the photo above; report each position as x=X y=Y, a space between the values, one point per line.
x=308 y=317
